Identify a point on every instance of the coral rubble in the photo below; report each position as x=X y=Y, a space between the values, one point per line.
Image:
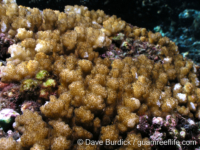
x=174 y=127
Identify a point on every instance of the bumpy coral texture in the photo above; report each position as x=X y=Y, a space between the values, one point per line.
x=97 y=98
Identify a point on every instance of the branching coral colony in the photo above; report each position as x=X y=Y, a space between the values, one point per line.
x=96 y=98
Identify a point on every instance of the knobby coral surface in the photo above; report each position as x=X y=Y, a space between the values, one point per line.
x=96 y=98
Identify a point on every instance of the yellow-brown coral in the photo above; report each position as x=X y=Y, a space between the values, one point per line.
x=97 y=98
